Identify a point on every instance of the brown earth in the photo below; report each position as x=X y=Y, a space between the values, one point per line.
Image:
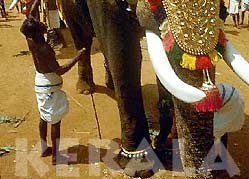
x=17 y=98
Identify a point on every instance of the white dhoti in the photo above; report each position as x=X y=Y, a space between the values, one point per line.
x=234 y=7
x=230 y=117
x=245 y=5
x=52 y=101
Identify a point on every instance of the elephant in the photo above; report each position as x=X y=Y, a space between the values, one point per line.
x=195 y=127
x=117 y=28
x=118 y=31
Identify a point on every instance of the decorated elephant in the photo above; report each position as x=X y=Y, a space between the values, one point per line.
x=117 y=28
x=185 y=41
x=118 y=31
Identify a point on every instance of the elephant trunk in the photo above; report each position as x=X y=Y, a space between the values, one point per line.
x=195 y=132
x=195 y=129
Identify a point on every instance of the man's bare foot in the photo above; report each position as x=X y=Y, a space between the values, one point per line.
x=47 y=152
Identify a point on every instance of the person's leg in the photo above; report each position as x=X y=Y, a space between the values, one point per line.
x=237 y=18
x=4 y=11
x=55 y=137
x=234 y=20
x=45 y=150
x=242 y=17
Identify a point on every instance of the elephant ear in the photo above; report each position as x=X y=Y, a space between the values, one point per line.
x=145 y=17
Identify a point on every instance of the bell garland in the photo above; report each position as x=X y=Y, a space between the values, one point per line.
x=213 y=100
x=135 y=154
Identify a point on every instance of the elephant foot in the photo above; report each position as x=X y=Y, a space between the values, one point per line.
x=135 y=167
x=165 y=153
x=83 y=87
x=168 y=151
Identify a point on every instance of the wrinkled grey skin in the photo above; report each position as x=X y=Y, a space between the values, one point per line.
x=119 y=35
x=77 y=17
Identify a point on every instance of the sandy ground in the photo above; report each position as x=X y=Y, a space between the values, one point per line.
x=79 y=127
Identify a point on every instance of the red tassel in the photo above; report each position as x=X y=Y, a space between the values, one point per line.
x=212 y=102
x=154 y=4
x=168 y=41
x=203 y=62
x=222 y=39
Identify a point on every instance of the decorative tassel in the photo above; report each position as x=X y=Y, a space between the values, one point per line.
x=203 y=62
x=168 y=41
x=154 y=4
x=176 y=53
x=213 y=100
x=215 y=57
x=25 y=11
x=188 y=61
x=220 y=49
x=222 y=39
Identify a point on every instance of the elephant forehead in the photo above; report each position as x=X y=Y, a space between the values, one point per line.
x=145 y=16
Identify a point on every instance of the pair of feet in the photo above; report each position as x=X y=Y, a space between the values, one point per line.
x=57 y=158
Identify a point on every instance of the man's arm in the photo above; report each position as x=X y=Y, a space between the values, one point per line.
x=66 y=67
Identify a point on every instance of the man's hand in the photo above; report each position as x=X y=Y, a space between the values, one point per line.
x=80 y=52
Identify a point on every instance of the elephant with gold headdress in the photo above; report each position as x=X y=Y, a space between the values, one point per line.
x=192 y=36
x=185 y=41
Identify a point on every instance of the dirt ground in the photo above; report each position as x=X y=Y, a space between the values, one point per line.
x=79 y=128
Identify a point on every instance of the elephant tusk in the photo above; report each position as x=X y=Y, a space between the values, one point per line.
x=166 y=74
x=236 y=62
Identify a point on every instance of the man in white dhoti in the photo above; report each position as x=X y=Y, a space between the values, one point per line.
x=234 y=11
x=52 y=101
x=244 y=8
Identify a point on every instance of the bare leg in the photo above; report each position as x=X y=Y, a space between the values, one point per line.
x=242 y=17
x=234 y=20
x=85 y=84
x=45 y=150
x=55 y=137
x=237 y=16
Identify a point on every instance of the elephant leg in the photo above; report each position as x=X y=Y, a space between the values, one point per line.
x=79 y=23
x=108 y=76
x=163 y=143
x=85 y=82
x=115 y=30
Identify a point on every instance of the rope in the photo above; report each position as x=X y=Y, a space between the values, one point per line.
x=96 y=117
x=94 y=108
